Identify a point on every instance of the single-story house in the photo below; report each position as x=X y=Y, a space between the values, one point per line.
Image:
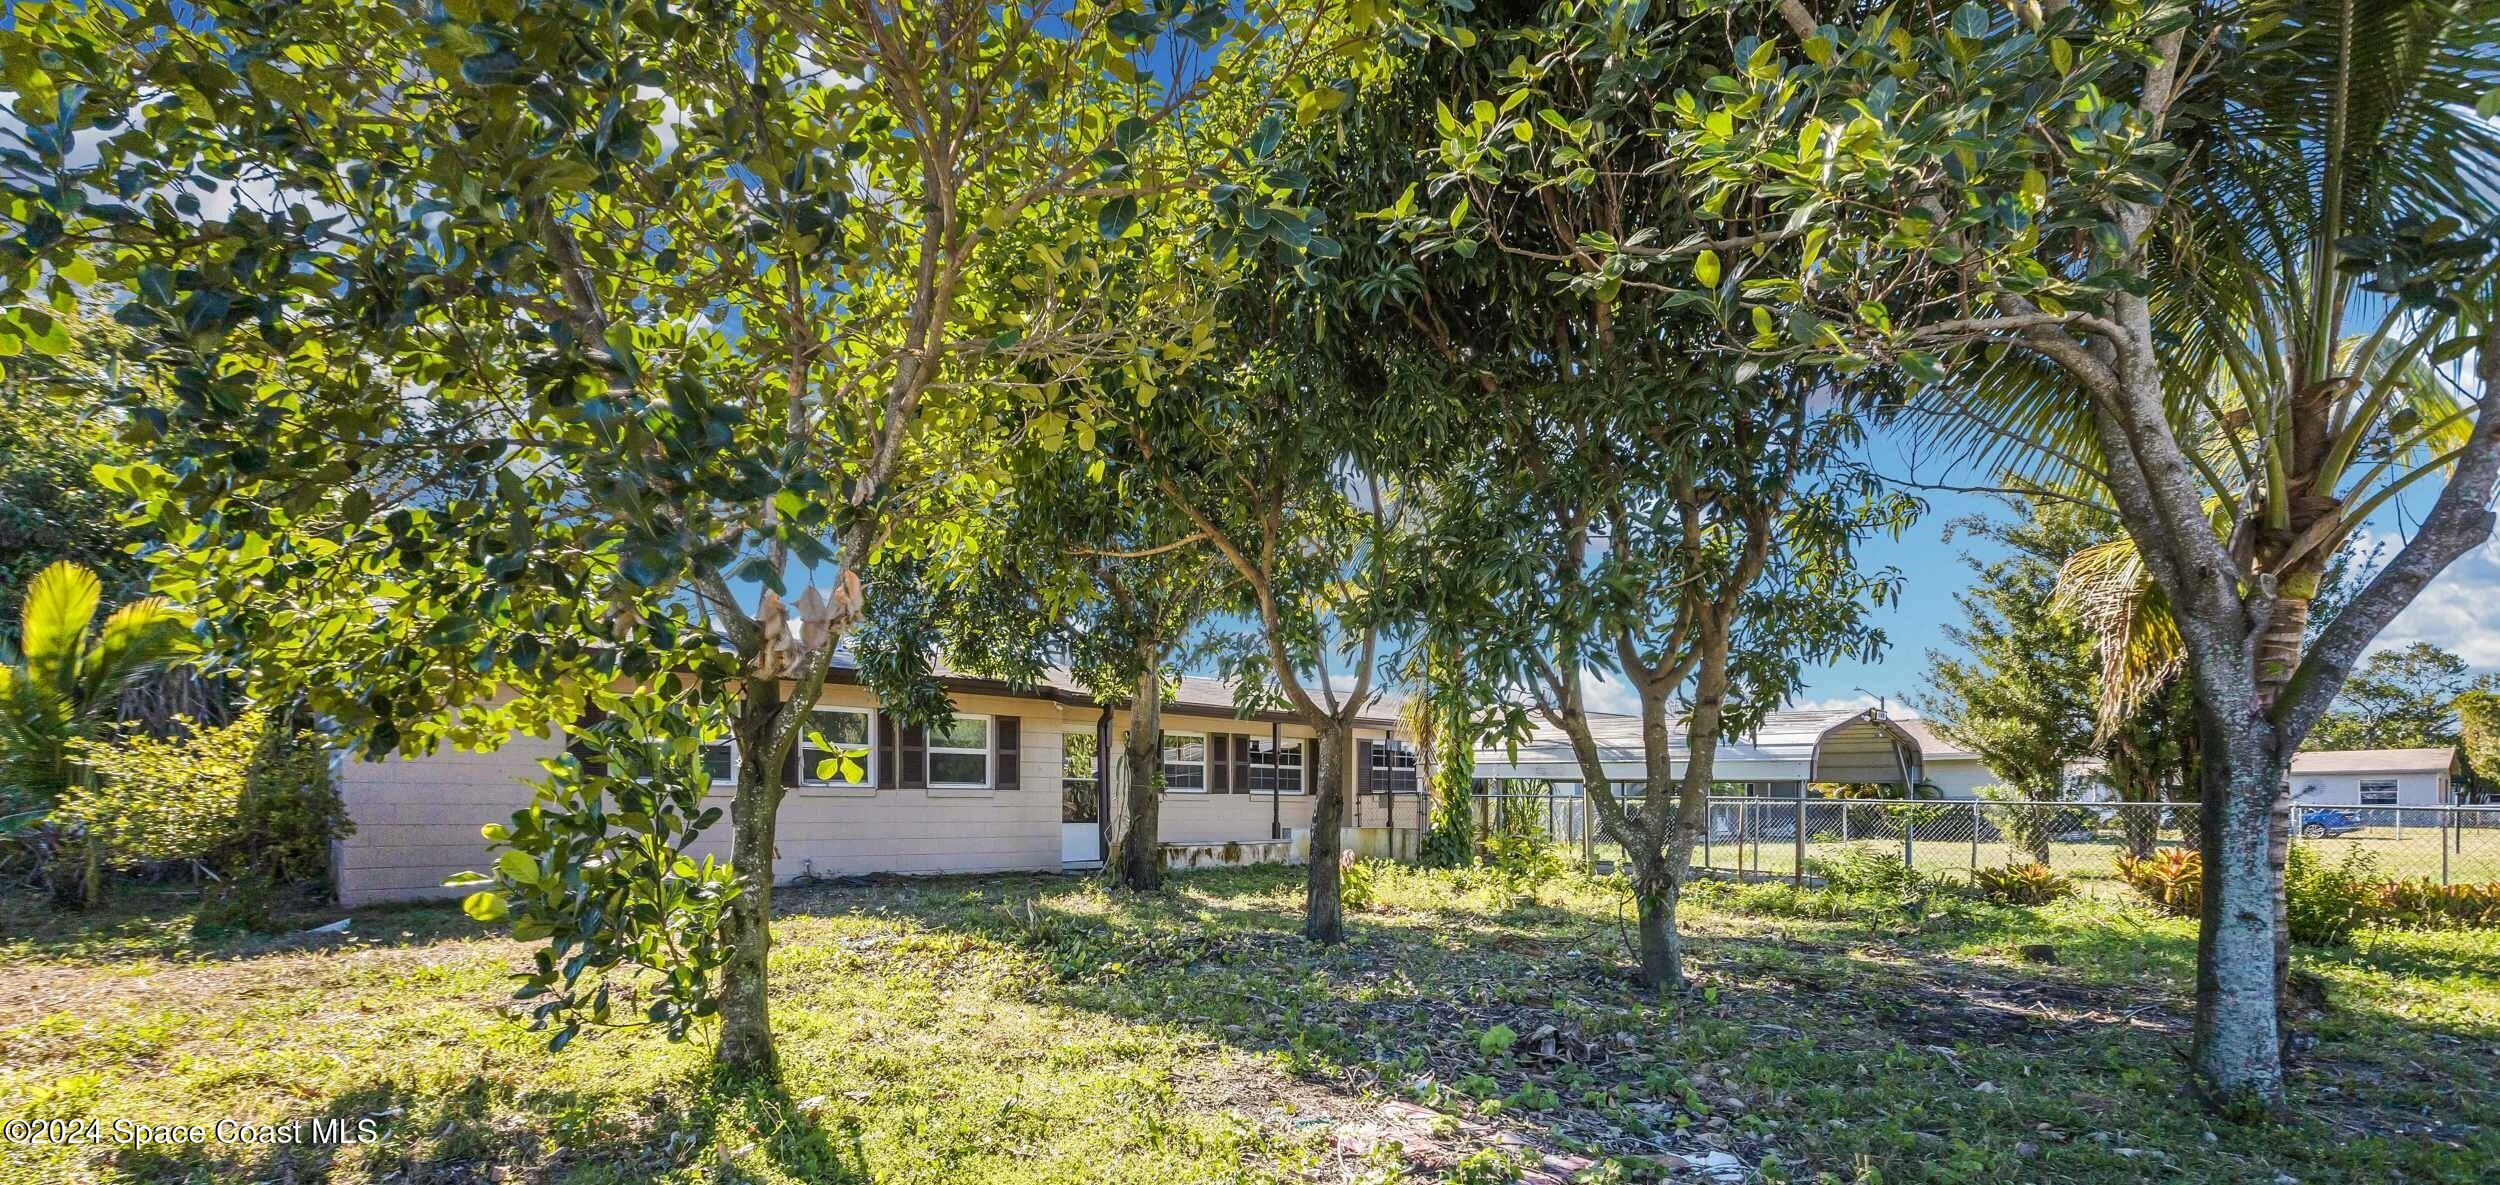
x=2377 y=778
x=1013 y=783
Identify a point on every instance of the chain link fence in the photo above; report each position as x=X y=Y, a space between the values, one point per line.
x=1780 y=837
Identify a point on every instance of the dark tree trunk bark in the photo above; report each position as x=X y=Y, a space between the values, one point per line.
x=1138 y=865
x=746 y=1035
x=1323 y=910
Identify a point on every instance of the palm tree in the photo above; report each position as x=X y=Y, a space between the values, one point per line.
x=65 y=684
x=2320 y=277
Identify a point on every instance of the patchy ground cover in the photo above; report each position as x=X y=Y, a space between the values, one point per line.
x=1037 y=1029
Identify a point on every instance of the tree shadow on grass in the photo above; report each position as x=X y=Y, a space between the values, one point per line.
x=1501 y=1006
x=139 y=923
x=476 y=1132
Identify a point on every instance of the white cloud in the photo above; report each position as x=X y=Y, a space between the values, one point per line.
x=1600 y=694
x=2458 y=612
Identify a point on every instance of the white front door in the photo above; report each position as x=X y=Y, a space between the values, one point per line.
x=1080 y=843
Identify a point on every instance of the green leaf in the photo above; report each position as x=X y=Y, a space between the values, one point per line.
x=1706 y=268
x=485 y=906
x=1116 y=216
x=516 y=866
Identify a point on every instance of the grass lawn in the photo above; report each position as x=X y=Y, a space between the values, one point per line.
x=1035 y=1029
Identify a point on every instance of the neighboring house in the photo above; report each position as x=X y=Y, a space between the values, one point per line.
x=1012 y=784
x=1778 y=759
x=2377 y=777
x=1954 y=771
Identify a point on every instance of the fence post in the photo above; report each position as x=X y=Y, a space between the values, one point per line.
x=1909 y=846
x=1797 y=875
x=1709 y=823
x=2447 y=821
x=1974 y=835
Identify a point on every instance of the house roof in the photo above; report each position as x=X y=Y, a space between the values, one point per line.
x=1195 y=696
x=2375 y=761
x=1932 y=745
x=1840 y=745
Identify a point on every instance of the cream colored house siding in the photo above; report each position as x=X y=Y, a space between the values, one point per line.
x=1959 y=777
x=417 y=819
x=1192 y=817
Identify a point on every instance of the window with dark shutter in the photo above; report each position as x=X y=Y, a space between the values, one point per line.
x=1219 y=770
x=889 y=766
x=1363 y=778
x=1241 y=763
x=1007 y=738
x=914 y=766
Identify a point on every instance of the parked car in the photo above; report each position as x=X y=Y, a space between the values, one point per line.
x=2326 y=823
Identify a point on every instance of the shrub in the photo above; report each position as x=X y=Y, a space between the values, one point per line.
x=1865 y=869
x=2323 y=903
x=2022 y=884
x=2427 y=904
x=2173 y=879
x=155 y=799
x=1357 y=881
x=289 y=815
x=1523 y=860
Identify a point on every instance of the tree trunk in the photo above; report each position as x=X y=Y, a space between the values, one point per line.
x=2278 y=655
x=1655 y=893
x=746 y=1036
x=1323 y=911
x=2238 y=1049
x=1138 y=865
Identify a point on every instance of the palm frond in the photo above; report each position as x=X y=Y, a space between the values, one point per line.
x=2107 y=589
x=60 y=603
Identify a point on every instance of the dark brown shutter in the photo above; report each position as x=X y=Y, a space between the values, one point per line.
x=887 y=763
x=912 y=773
x=1363 y=767
x=1241 y=762
x=1219 y=770
x=592 y=764
x=1006 y=753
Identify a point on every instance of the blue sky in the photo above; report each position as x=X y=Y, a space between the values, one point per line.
x=2460 y=611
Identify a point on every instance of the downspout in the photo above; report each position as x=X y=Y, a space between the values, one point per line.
x=1102 y=781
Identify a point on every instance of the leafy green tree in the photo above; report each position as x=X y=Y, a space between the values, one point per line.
x=545 y=348
x=1266 y=463
x=2401 y=699
x=1622 y=491
x=61 y=689
x=2131 y=243
x=2023 y=698
x=2479 y=711
x=2030 y=696
x=1085 y=561
x=59 y=419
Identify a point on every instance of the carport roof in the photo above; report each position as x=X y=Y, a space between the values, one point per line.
x=1785 y=748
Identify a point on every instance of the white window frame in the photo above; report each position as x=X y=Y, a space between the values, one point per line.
x=729 y=743
x=988 y=753
x=1385 y=754
x=2393 y=789
x=1205 y=759
x=867 y=762
x=1300 y=767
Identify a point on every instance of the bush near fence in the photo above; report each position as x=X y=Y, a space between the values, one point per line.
x=2430 y=865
